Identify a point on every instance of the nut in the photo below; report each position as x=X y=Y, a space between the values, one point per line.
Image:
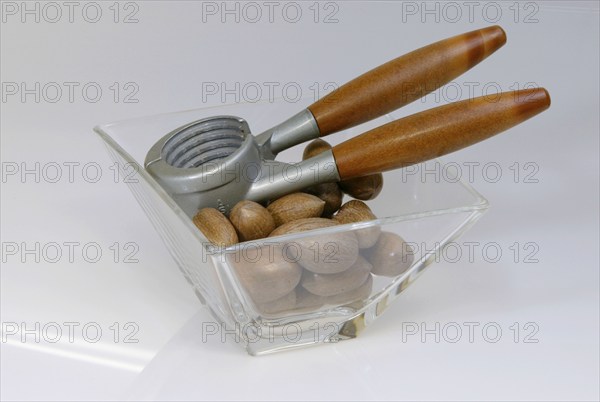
x=295 y=206
x=216 y=227
x=357 y=211
x=265 y=273
x=284 y=303
x=323 y=254
x=330 y=193
x=390 y=256
x=314 y=148
x=333 y=284
x=363 y=188
x=307 y=300
x=360 y=293
x=251 y=220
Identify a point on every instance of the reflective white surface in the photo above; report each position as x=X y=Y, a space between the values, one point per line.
x=171 y=55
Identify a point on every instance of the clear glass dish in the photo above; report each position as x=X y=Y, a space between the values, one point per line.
x=426 y=211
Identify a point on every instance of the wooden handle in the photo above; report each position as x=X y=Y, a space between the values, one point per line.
x=403 y=80
x=436 y=132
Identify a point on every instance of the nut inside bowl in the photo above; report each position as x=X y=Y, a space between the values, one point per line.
x=302 y=272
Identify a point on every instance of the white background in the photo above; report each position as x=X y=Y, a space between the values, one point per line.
x=169 y=55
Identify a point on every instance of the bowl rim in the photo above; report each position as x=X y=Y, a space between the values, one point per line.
x=480 y=203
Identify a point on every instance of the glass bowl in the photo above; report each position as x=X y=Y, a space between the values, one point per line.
x=419 y=213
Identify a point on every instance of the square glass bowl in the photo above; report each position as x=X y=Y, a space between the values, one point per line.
x=420 y=210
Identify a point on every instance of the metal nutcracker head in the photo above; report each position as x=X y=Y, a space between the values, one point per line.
x=216 y=162
x=195 y=163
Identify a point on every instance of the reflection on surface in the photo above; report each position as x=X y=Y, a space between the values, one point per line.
x=112 y=355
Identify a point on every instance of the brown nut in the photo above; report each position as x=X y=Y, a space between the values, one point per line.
x=322 y=254
x=360 y=293
x=295 y=206
x=284 y=303
x=357 y=211
x=265 y=273
x=216 y=227
x=363 y=188
x=251 y=220
x=333 y=284
x=330 y=193
x=308 y=301
x=314 y=148
x=390 y=256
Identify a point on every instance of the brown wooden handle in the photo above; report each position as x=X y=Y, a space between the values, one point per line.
x=403 y=80
x=436 y=132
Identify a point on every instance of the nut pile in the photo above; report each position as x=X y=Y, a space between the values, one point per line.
x=308 y=272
